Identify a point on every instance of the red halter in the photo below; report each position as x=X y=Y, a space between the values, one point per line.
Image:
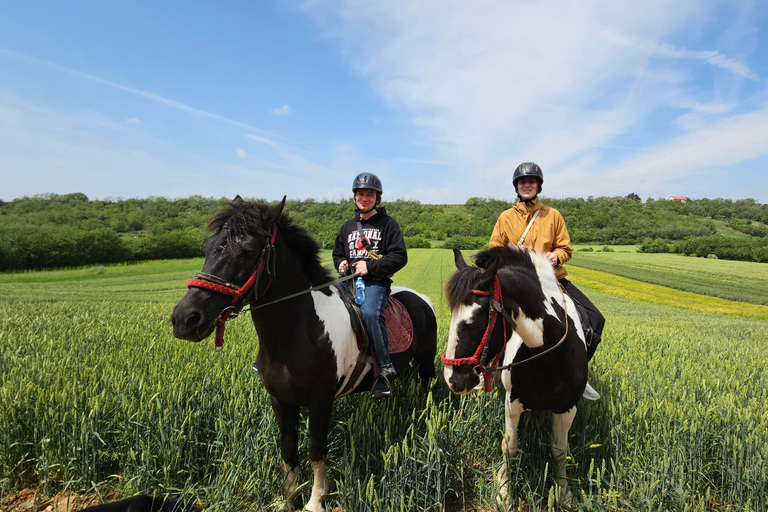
x=216 y=284
x=479 y=355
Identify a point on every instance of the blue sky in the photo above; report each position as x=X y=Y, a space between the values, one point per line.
x=442 y=99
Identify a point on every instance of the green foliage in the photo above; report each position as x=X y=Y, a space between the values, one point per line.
x=53 y=230
x=465 y=242
x=654 y=245
x=743 y=249
x=417 y=242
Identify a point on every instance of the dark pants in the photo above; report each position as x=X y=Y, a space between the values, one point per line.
x=595 y=319
x=376 y=294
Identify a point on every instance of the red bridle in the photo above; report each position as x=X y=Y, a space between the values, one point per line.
x=476 y=360
x=216 y=284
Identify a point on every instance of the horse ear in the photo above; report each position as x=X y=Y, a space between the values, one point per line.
x=458 y=258
x=490 y=271
x=276 y=211
x=237 y=201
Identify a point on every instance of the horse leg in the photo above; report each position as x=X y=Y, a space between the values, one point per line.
x=561 y=424
x=512 y=412
x=288 y=421
x=319 y=422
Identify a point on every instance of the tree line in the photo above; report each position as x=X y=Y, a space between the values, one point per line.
x=52 y=230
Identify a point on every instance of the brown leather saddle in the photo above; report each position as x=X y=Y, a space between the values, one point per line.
x=399 y=323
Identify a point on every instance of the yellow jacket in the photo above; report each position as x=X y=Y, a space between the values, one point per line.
x=547 y=234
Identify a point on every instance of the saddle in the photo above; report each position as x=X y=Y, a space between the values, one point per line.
x=399 y=331
x=399 y=323
x=590 y=336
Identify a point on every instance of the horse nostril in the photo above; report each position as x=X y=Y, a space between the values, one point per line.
x=193 y=319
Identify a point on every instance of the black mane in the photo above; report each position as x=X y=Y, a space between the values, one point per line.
x=242 y=218
x=468 y=278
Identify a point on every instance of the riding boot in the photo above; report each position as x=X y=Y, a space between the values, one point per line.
x=381 y=387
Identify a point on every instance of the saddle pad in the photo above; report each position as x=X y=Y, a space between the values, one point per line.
x=399 y=326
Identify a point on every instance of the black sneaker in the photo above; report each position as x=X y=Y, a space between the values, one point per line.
x=381 y=388
x=254 y=367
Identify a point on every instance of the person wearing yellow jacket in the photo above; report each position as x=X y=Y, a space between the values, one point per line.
x=532 y=225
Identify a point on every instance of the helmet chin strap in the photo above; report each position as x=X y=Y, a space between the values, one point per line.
x=528 y=200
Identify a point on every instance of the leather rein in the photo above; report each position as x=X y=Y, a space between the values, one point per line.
x=496 y=308
x=219 y=285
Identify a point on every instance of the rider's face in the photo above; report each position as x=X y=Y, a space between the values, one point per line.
x=365 y=199
x=527 y=188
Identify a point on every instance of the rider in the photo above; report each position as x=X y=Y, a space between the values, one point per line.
x=531 y=225
x=372 y=244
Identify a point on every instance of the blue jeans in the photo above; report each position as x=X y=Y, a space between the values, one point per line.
x=376 y=294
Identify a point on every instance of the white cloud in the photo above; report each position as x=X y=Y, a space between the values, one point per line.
x=284 y=110
x=491 y=84
x=263 y=140
x=241 y=153
x=132 y=120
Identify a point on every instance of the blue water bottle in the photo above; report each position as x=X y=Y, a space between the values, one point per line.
x=359 y=291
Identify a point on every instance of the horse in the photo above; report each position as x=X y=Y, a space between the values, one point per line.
x=509 y=315
x=307 y=346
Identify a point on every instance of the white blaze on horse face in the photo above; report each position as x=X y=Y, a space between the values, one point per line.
x=461 y=314
x=334 y=315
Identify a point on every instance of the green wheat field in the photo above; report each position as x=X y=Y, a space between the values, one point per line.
x=98 y=398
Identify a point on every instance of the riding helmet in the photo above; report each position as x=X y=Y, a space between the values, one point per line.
x=367 y=180
x=528 y=169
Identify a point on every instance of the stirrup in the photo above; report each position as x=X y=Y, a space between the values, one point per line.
x=381 y=387
x=590 y=393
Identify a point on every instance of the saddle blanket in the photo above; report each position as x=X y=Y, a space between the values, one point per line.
x=399 y=326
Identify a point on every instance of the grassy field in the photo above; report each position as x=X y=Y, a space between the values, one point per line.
x=732 y=280
x=96 y=397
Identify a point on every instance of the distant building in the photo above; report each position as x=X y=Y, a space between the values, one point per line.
x=680 y=199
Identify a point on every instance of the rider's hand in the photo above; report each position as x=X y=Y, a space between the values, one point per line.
x=553 y=259
x=361 y=267
x=343 y=266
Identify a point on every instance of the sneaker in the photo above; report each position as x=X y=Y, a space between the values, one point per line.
x=254 y=367
x=590 y=393
x=388 y=371
x=381 y=388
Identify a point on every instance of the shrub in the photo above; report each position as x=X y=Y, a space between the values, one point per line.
x=416 y=242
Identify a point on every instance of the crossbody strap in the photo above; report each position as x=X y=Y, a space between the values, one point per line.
x=528 y=228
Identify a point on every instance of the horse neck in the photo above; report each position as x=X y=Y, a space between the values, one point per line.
x=288 y=278
x=531 y=330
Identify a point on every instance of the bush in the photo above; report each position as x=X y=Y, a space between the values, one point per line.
x=417 y=242
x=655 y=245
x=606 y=249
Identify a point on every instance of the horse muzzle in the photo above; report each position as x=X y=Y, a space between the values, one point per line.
x=190 y=323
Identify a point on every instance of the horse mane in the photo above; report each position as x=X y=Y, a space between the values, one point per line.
x=241 y=218
x=466 y=279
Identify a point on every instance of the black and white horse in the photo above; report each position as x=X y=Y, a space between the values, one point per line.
x=508 y=314
x=307 y=346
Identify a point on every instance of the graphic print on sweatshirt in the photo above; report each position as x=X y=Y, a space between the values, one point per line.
x=356 y=250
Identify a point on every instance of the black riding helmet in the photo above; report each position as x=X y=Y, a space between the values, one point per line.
x=367 y=180
x=525 y=170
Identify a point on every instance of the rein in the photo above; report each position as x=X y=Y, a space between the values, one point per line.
x=216 y=284
x=495 y=308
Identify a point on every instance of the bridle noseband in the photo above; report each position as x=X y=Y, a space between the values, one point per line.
x=495 y=308
x=216 y=284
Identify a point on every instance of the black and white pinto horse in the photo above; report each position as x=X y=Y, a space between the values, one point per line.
x=307 y=346
x=509 y=314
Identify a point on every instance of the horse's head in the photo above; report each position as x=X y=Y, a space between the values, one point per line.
x=237 y=254
x=486 y=309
